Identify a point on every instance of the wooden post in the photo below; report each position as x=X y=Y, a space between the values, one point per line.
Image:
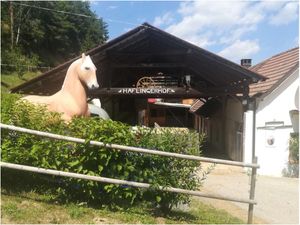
x=252 y=192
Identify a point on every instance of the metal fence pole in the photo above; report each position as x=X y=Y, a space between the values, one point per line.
x=252 y=165
x=252 y=192
x=119 y=182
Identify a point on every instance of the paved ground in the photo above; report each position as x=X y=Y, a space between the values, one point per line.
x=278 y=198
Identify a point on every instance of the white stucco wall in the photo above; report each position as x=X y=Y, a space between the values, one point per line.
x=273 y=121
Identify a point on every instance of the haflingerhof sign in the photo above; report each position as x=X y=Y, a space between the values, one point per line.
x=168 y=92
x=146 y=91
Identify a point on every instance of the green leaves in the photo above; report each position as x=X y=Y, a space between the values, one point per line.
x=119 y=167
x=100 y=161
x=158 y=198
x=37 y=31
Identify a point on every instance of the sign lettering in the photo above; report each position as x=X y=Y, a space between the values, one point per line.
x=146 y=91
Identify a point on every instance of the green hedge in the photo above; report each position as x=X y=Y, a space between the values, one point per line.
x=36 y=151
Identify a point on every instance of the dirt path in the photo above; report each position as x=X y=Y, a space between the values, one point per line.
x=278 y=198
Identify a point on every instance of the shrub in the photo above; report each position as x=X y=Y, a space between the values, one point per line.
x=15 y=61
x=292 y=169
x=294 y=148
x=36 y=151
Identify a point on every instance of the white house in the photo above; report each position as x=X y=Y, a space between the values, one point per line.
x=277 y=112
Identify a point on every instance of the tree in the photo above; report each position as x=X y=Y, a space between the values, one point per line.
x=50 y=30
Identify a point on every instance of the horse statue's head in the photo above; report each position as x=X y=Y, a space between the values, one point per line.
x=87 y=72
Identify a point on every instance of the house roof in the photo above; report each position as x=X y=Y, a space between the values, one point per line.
x=147 y=49
x=276 y=69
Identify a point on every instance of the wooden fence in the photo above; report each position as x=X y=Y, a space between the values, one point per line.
x=253 y=166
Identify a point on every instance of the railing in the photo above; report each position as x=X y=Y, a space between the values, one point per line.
x=29 y=67
x=253 y=166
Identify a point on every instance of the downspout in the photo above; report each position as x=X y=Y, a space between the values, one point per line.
x=253 y=127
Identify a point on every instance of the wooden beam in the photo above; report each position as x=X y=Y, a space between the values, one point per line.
x=150 y=65
x=166 y=92
x=145 y=54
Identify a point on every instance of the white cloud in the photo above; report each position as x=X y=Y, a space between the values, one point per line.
x=126 y=29
x=93 y=2
x=165 y=19
x=226 y=24
x=112 y=7
x=296 y=41
x=236 y=34
x=286 y=15
x=227 y=20
x=240 y=49
x=201 y=40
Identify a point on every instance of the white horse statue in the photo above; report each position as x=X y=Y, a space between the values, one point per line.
x=71 y=100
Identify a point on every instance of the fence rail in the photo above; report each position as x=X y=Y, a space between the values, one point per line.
x=254 y=166
x=28 y=67
x=127 y=148
x=119 y=182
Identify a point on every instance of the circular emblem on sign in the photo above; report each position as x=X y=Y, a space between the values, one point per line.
x=270 y=140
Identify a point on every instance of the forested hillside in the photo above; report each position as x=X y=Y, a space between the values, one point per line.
x=45 y=33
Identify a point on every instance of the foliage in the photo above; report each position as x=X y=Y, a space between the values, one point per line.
x=47 y=35
x=16 y=61
x=101 y=161
x=292 y=169
x=294 y=148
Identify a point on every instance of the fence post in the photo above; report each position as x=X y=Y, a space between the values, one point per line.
x=252 y=191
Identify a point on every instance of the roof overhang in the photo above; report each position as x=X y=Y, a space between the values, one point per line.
x=146 y=49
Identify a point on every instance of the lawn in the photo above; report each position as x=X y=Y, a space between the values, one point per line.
x=30 y=208
x=9 y=81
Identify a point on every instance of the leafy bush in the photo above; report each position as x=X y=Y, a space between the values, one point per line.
x=292 y=169
x=36 y=151
x=294 y=148
x=15 y=61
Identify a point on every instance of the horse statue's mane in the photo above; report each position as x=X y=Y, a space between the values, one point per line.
x=71 y=99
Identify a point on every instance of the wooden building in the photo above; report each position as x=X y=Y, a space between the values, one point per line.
x=144 y=74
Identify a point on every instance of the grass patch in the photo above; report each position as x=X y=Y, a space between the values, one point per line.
x=30 y=207
x=9 y=81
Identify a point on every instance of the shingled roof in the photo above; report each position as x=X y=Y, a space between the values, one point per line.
x=276 y=69
x=149 y=50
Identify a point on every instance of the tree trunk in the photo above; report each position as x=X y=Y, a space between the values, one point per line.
x=18 y=35
x=11 y=12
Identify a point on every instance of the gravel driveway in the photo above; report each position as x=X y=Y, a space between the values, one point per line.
x=278 y=198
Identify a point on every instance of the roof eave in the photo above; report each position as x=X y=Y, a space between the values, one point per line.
x=262 y=95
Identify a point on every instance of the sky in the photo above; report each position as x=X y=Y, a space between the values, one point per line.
x=233 y=29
